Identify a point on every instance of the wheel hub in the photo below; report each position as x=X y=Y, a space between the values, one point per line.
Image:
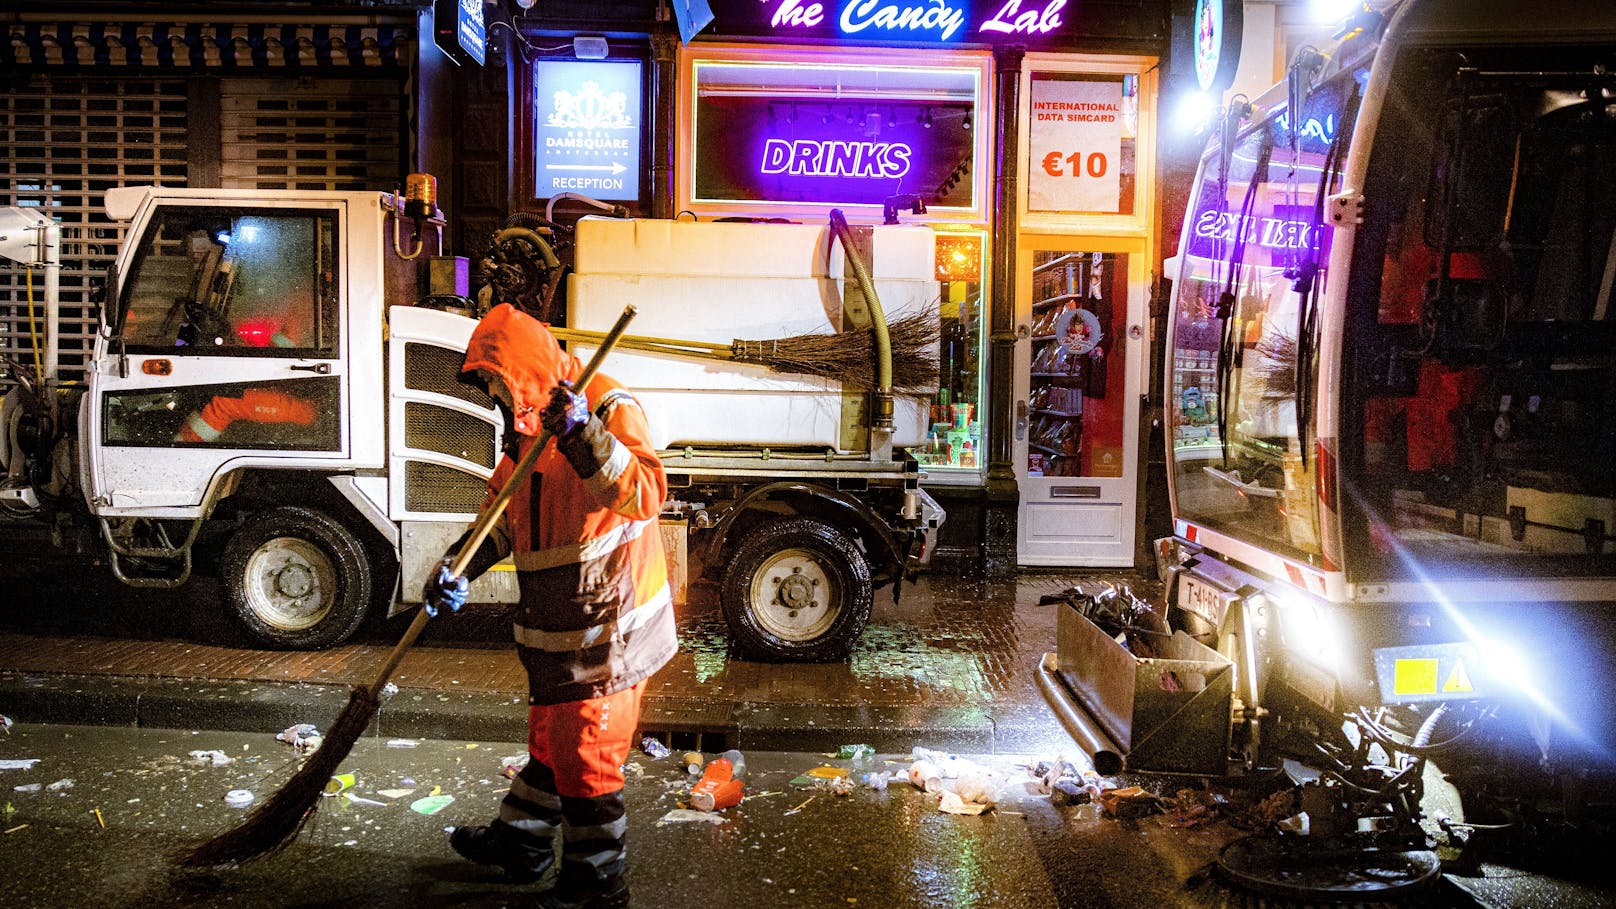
x=295 y=581
x=796 y=590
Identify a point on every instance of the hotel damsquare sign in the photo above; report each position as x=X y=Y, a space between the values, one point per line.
x=940 y=23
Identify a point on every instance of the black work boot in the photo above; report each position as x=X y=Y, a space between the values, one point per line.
x=583 y=887
x=521 y=857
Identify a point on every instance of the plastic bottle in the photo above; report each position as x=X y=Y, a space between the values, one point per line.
x=737 y=763
x=717 y=789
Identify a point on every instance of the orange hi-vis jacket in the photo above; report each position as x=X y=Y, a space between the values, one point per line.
x=256 y=405
x=596 y=612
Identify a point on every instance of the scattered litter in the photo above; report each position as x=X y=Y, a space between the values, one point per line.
x=432 y=804
x=59 y=786
x=338 y=784
x=395 y=793
x=238 y=798
x=804 y=804
x=1128 y=802
x=19 y=764
x=6 y=724
x=693 y=762
x=1298 y=824
x=876 y=780
x=28 y=787
x=402 y=743
x=976 y=788
x=1071 y=792
x=812 y=777
x=924 y=775
x=471 y=746
x=99 y=819
x=509 y=767
x=389 y=690
x=685 y=815
x=16 y=828
x=718 y=788
x=304 y=737
x=211 y=758
x=361 y=800
x=655 y=749
x=842 y=786
x=858 y=754
x=1193 y=807
x=953 y=804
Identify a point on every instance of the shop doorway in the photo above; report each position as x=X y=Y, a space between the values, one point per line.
x=1081 y=312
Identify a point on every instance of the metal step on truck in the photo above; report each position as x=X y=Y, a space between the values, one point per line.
x=272 y=397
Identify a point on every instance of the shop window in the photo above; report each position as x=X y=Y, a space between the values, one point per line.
x=224 y=281
x=954 y=439
x=834 y=134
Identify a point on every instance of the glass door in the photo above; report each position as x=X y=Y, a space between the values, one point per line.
x=1078 y=380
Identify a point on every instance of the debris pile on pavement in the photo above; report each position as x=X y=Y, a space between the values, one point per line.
x=303 y=737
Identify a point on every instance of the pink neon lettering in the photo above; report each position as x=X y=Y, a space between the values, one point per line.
x=826 y=158
x=793 y=13
x=1011 y=20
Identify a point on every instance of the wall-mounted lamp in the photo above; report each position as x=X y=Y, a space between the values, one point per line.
x=589 y=48
x=925 y=118
x=967 y=121
x=892 y=117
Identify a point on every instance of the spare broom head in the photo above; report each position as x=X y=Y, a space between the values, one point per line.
x=849 y=356
x=274 y=824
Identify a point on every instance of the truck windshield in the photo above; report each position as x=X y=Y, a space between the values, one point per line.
x=1242 y=346
x=1480 y=383
x=233 y=281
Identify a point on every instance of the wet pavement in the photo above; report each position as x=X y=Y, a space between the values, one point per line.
x=100 y=818
x=954 y=664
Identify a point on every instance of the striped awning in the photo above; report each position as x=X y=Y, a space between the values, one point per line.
x=203 y=45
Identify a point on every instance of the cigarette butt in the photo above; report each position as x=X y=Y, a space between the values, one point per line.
x=100 y=820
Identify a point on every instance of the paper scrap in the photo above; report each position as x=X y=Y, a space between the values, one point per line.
x=395 y=793
x=431 y=804
x=953 y=804
x=686 y=815
x=19 y=764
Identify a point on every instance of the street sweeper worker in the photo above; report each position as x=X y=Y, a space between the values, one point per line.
x=595 y=617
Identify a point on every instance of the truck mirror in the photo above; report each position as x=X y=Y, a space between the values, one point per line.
x=1472 y=177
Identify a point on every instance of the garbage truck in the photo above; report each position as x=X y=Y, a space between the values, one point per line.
x=1390 y=409
x=273 y=398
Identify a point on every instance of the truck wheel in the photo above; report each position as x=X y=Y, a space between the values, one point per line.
x=296 y=579
x=796 y=590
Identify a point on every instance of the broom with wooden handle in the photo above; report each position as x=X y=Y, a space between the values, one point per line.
x=276 y=822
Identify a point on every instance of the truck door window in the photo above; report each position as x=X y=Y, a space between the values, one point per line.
x=236 y=282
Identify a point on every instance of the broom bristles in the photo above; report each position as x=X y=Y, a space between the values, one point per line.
x=849 y=356
x=274 y=824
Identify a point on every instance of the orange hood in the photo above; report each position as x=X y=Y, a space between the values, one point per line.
x=520 y=350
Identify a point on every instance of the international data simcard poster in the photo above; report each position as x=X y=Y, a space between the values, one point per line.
x=587 y=128
x=1074 y=145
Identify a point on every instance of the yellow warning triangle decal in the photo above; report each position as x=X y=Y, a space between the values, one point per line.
x=1458 y=680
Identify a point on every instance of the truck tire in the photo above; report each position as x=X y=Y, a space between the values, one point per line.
x=796 y=590
x=295 y=579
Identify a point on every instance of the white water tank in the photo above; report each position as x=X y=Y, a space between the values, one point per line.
x=719 y=281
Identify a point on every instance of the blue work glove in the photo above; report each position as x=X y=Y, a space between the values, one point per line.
x=566 y=413
x=443 y=589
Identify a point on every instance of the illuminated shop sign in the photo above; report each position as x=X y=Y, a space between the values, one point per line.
x=921 y=21
x=587 y=128
x=832 y=151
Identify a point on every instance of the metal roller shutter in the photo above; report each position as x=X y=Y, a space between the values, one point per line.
x=64 y=141
x=302 y=133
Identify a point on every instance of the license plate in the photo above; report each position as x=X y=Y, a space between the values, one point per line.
x=1203 y=599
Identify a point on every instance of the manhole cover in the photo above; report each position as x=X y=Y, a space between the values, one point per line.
x=1296 y=868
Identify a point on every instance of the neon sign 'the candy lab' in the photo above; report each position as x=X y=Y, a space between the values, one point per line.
x=828 y=158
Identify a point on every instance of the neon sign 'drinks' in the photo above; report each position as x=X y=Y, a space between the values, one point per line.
x=828 y=158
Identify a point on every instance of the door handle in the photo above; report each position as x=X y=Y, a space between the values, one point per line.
x=323 y=369
x=1021 y=420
